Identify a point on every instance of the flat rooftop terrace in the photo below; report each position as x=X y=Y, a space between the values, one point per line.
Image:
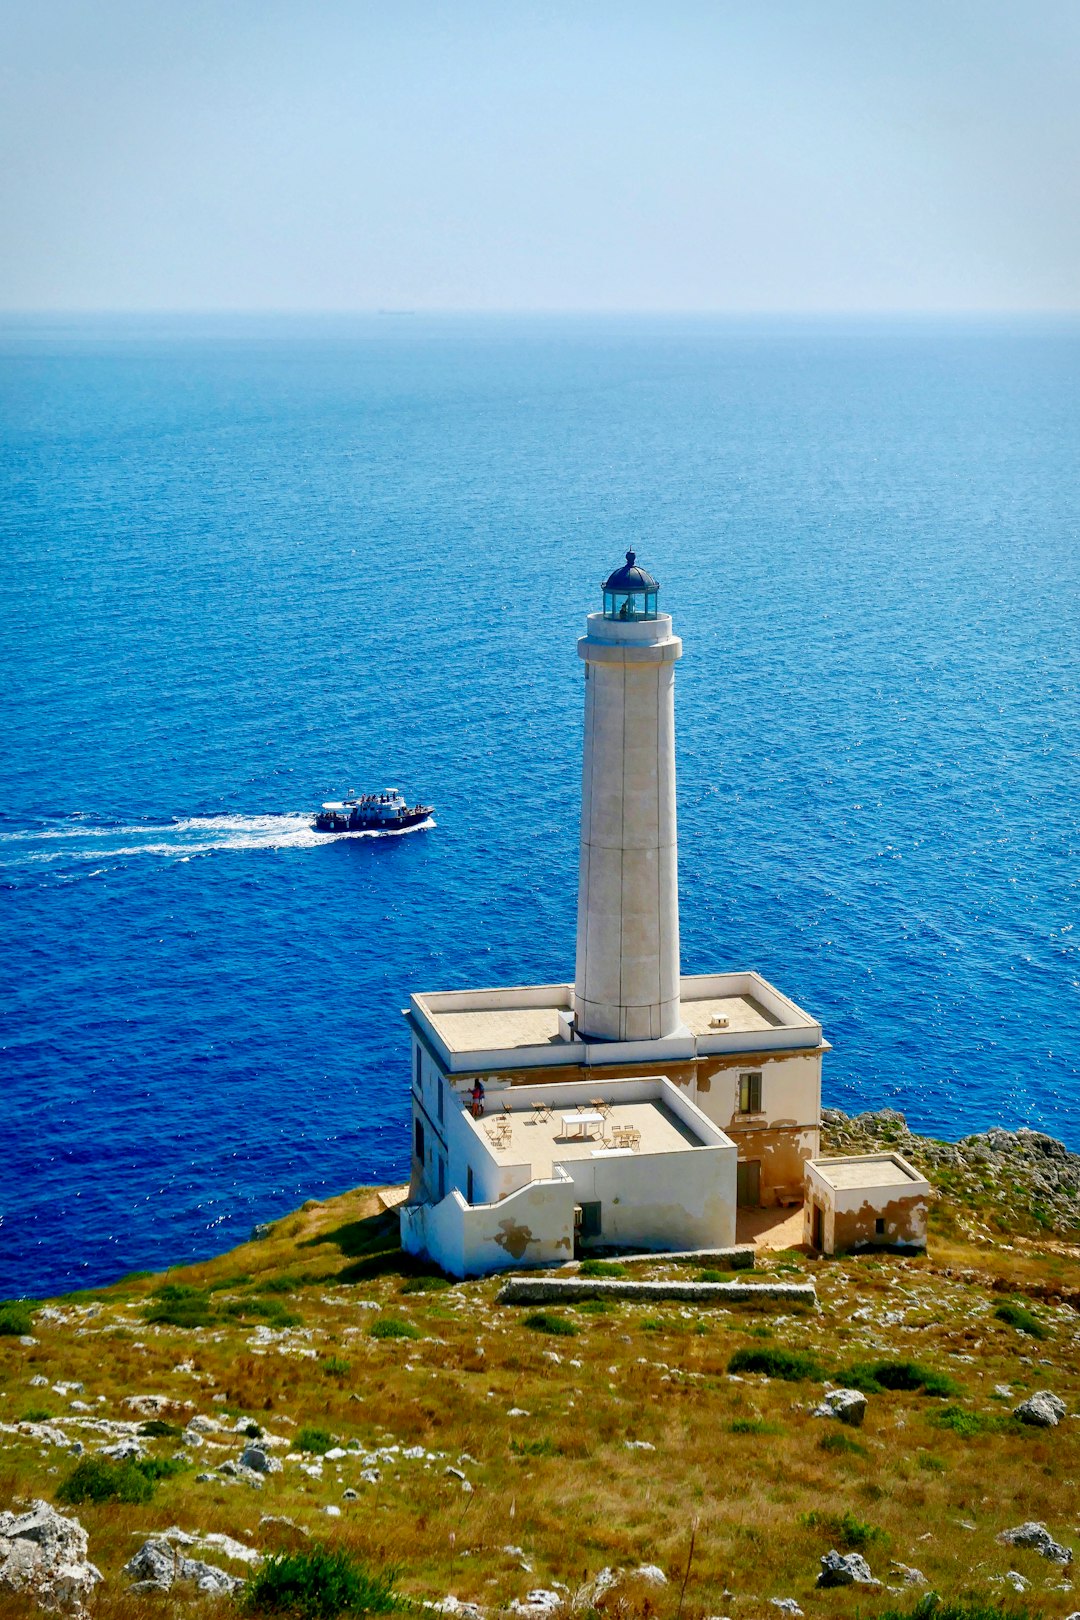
x=563 y=1132
x=866 y=1170
x=527 y=1025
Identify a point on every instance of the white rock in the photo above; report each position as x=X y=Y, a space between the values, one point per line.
x=847 y=1405
x=845 y=1569
x=540 y=1601
x=1037 y=1536
x=639 y=1445
x=332 y=1510
x=43 y=1555
x=259 y=1461
x=787 y=1606
x=1042 y=1409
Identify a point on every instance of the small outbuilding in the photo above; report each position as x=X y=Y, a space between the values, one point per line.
x=865 y=1201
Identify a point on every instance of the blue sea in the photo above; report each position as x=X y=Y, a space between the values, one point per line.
x=249 y=564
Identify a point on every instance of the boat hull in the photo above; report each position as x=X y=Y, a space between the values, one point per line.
x=335 y=821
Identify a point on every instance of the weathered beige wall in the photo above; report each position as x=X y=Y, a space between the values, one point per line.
x=532 y=1227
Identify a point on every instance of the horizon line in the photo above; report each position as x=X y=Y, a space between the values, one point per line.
x=578 y=311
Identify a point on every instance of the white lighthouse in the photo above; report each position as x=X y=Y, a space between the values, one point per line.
x=626 y=983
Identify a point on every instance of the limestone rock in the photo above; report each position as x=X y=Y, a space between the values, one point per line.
x=909 y=1575
x=259 y=1461
x=787 y=1606
x=849 y=1405
x=157 y=1565
x=1042 y=1409
x=43 y=1556
x=1037 y=1536
x=537 y=1603
x=845 y=1569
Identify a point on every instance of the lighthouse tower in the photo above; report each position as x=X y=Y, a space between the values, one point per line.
x=626 y=984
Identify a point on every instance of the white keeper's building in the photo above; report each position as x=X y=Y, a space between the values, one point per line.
x=635 y=1108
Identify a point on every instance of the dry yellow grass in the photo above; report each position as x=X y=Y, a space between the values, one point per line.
x=741 y=1457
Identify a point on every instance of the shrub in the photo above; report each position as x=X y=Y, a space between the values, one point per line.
x=791 y=1365
x=155 y=1468
x=930 y=1464
x=253 y=1431
x=319 y=1583
x=874 y=1377
x=317 y=1441
x=96 y=1479
x=596 y=1307
x=967 y=1424
x=932 y=1607
x=548 y=1322
x=335 y=1366
x=279 y=1285
x=842 y=1443
x=754 y=1426
x=36 y=1414
x=158 y=1429
x=392 y=1327
x=709 y=1274
x=16 y=1318
x=268 y=1310
x=1019 y=1317
x=845 y=1529
x=177 y=1305
x=425 y=1285
x=602 y=1268
x=534 y=1448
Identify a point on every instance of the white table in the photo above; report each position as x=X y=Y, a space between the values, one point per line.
x=580 y=1127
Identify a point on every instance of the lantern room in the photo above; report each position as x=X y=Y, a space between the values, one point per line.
x=630 y=592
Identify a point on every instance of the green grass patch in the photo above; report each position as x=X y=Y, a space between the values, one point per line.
x=270 y=1311
x=335 y=1366
x=842 y=1445
x=534 y=1448
x=653 y=1324
x=548 y=1322
x=710 y=1274
x=155 y=1468
x=845 y=1529
x=932 y=1607
x=753 y=1426
x=931 y=1464
x=596 y=1307
x=1019 y=1317
x=602 y=1268
x=962 y=1421
x=790 y=1365
x=392 y=1327
x=178 y=1305
x=284 y=1284
x=425 y=1284
x=315 y=1441
x=319 y=1583
x=36 y=1414
x=240 y=1280
x=158 y=1429
x=97 y=1479
x=875 y=1377
x=16 y=1318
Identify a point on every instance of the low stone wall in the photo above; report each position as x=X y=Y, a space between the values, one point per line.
x=568 y=1290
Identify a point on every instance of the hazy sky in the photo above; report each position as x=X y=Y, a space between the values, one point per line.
x=573 y=154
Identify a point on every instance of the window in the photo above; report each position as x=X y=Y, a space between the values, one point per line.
x=418 y=1078
x=442 y=1178
x=418 y=1136
x=879 y=1226
x=439 y=1087
x=468 y=1185
x=750 y=1093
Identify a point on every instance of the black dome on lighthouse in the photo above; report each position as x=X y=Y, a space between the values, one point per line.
x=630 y=577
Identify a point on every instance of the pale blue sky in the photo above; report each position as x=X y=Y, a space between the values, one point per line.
x=569 y=155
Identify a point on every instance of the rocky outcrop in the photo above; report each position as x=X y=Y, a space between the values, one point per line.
x=43 y=1556
x=1038 y=1537
x=845 y=1569
x=157 y=1566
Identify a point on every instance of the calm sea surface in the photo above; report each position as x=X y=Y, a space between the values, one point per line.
x=250 y=565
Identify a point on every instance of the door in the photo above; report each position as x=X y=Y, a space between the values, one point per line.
x=817 y=1229
x=748 y=1183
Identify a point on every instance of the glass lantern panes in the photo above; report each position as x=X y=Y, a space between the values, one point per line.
x=629 y=604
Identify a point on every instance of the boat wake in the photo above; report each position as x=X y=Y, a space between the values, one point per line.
x=75 y=844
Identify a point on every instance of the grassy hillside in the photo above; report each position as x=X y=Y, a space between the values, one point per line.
x=600 y=1435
